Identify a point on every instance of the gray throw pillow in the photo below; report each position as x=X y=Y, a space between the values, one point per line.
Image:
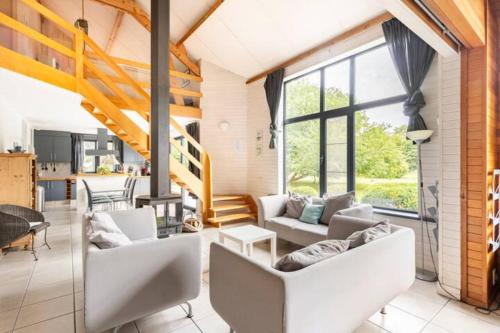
x=295 y=205
x=311 y=254
x=362 y=237
x=334 y=203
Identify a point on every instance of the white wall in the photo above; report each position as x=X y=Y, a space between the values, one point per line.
x=225 y=99
x=13 y=127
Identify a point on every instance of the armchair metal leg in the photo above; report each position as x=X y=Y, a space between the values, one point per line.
x=45 y=239
x=383 y=311
x=190 y=310
x=117 y=328
x=33 y=246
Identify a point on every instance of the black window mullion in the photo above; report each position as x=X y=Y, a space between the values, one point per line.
x=322 y=137
x=351 y=179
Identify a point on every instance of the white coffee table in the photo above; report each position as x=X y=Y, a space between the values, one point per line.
x=247 y=235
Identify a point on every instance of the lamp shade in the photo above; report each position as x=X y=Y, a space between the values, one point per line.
x=419 y=136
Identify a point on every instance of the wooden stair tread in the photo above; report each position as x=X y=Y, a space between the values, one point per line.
x=231 y=217
x=223 y=208
x=229 y=197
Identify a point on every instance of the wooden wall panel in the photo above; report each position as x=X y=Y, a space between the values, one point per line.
x=479 y=146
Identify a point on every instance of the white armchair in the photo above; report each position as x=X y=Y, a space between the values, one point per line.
x=129 y=282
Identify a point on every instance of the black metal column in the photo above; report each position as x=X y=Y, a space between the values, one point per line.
x=160 y=86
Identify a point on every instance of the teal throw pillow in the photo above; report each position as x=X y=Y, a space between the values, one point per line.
x=312 y=213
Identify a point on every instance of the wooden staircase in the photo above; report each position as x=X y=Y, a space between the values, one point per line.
x=109 y=91
x=229 y=208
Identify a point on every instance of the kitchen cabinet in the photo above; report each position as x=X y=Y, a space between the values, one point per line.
x=53 y=146
x=17 y=179
x=131 y=156
x=55 y=190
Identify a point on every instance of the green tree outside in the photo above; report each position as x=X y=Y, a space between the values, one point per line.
x=386 y=165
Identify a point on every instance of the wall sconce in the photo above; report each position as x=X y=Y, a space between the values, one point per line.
x=224 y=126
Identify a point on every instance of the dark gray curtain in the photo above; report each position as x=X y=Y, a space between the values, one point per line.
x=412 y=58
x=193 y=129
x=273 y=84
x=118 y=144
x=76 y=152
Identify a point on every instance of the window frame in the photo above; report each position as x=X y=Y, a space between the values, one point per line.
x=348 y=111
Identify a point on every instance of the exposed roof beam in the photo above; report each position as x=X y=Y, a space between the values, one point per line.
x=132 y=8
x=200 y=21
x=464 y=18
x=114 y=30
x=343 y=36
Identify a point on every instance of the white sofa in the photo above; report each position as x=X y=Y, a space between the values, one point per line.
x=271 y=211
x=125 y=283
x=335 y=295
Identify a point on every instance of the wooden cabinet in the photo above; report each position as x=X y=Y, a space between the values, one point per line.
x=17 y=180
x=53 y=146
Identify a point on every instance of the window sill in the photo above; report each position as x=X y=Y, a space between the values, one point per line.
x=395 y=213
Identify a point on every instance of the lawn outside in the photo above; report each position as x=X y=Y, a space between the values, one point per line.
x=396 y=193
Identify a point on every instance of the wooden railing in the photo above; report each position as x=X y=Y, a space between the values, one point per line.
x=108 y=108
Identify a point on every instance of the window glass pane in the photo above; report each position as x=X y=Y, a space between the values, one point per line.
x=386 y=163
x=302 y=95
x=88 y=161
x=336 y=155
x=302 y=157
x=337 y=85
x=375 y=76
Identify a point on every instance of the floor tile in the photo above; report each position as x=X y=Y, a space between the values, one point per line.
x=470 y=310
x=397 y=321
x=368 y=327
x=62 y=324
x=79 y=301
x=7 y=320
x=12 y=294
x=39 y=291
x=38 y=312
x=192 y=328
x=165 y=321
x=431 y=328
x=201 y=305
x=212 y=324
x=417 y=304
x=459 y=322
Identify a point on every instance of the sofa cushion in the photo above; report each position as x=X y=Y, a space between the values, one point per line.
x=297 y=232
x=104 y=232
x=295 y=205
x=362 y=237
x=311 y=254
x=334 y=203
x=311 y=214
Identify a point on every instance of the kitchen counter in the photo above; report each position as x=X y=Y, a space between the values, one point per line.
x=55 y=178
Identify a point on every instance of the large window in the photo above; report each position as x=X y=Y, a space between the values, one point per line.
x=345 y=130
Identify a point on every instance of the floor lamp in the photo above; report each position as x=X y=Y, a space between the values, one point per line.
x=420 y=137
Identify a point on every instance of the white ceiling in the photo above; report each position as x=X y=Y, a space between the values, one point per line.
x=245 y=37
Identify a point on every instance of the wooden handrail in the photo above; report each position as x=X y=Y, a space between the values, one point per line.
x=117 y=69
x=141 y=65
x=186 y=135
x=44 y=11
x=186 y=153
x=122 y=94
x=33 y=34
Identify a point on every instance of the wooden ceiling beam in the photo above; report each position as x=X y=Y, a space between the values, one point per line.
x=464 y=18
x=200 y=21
x=114 y=31
x=132 y=8
x=343 y=36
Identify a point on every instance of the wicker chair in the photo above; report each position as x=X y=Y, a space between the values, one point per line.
x=17 y=222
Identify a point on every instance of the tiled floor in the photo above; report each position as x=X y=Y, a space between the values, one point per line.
x=46 y=296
